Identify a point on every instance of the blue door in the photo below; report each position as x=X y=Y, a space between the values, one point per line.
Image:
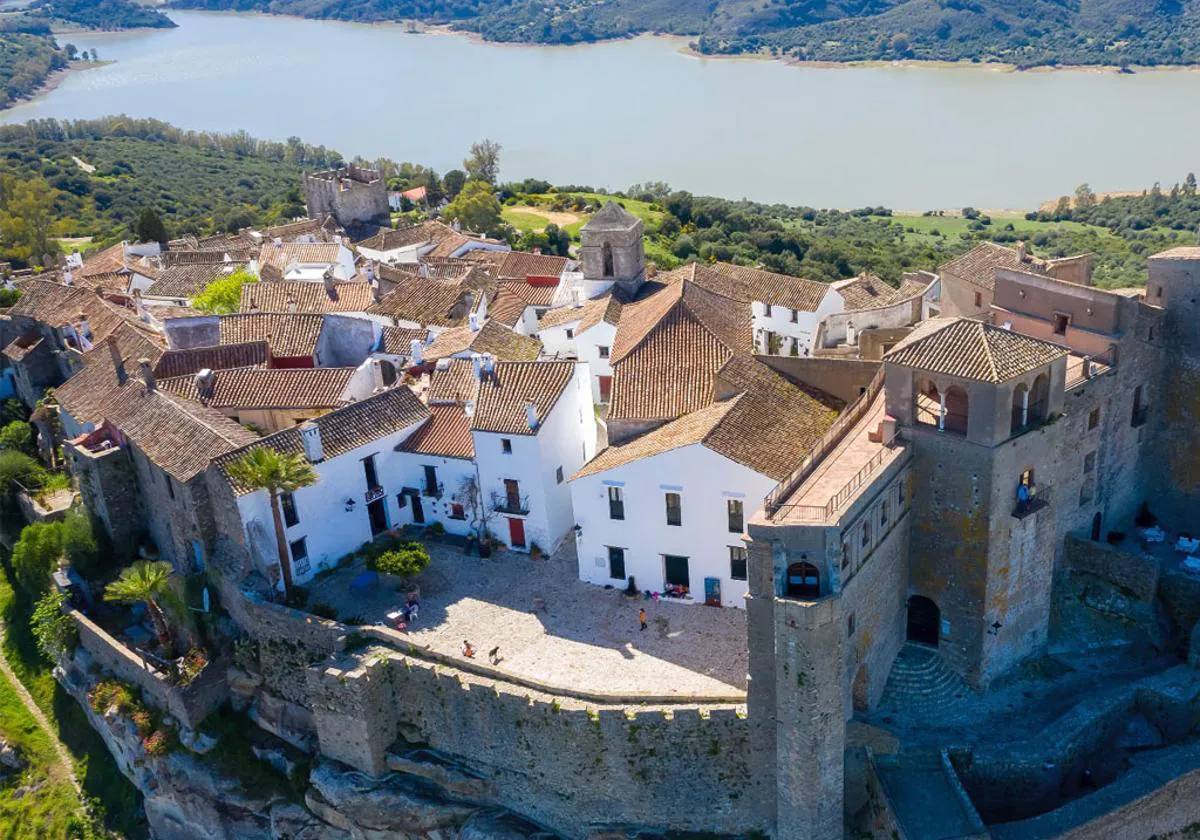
x=712 y=591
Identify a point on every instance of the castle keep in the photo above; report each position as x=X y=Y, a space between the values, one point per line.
x=351 y=195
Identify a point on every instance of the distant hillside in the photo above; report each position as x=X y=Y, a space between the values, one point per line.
x=102 y=14
x=1022 y=32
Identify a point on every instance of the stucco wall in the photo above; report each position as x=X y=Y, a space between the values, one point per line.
x=706 y=482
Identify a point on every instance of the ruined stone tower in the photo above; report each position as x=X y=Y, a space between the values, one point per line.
x=351 y=195
x=612 y=252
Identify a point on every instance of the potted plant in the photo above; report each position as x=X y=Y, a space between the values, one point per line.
x=535 y=551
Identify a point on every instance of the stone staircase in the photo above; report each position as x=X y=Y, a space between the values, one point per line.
x=921 y=684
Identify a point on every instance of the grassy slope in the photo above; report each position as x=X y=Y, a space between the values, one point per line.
x=48 y=808
x=95 y=767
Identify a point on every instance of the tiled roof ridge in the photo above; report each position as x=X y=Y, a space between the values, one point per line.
x=197 y=417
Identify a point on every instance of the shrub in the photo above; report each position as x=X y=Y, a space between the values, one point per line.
x=193 y=663
x=37 y=553
x=18 y=435
x=79 y=542
x=144 y=721
x=17 y=467
x=224 y=295
x=156 y=744
x=56 y=632
x=405 y=561
x=109 y=693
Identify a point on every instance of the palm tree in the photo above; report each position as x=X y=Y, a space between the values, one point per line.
x=149 y=582
x=265 y=469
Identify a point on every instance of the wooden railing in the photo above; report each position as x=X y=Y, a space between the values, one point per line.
x=832 y=437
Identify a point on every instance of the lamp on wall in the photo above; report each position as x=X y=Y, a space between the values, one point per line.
x=995 y=628
x=349 y=504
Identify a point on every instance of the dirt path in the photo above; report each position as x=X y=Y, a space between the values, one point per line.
x=65 y=768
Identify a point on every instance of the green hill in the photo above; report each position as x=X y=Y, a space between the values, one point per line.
x=1022 y=32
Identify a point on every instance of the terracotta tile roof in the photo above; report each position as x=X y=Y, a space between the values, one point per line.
x=539 y=294
x=426 y=301
x=178 y=435
x=173 y=257
x=507 y=307
x=249 y=387
x=108 y=261
x=447 y=434
x=972 y=350
x=500 y=406
x=519 y=265
x=752 y=284
x=388 y=240
x=1183 y=252
x=276 y=296
x=978 y=266
x=490 y=259
x=23 y=345
x=669 y=347
x=88 y=392
x=114 y=281
x=322 y=227
x=398 y=340
x=344 y=429
x=288 y=335
x=452 y=383
x=57 y=306
x=456 y=270
x=187 y=280
x=769 y=426
x=605 y=308
x=493 y=337
x=866 y=291
x=281 y=256
x=220 y=357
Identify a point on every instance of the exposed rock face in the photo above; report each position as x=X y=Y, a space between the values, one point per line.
x=10 y=759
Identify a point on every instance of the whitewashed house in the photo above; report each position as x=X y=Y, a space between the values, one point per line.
x=361 y=489
x=668 y=509
x=310 y=262
x=437 y=472
x=585 y=332
x=533 y=425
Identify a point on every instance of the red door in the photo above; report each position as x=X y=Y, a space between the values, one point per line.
x=605 y=388
x=516 y=532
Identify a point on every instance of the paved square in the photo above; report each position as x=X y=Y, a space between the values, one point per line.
x=551 y=627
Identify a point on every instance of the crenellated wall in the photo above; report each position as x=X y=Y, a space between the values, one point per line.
x=564 y=763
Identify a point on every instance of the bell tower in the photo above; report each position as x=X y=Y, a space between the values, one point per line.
x=612 y=251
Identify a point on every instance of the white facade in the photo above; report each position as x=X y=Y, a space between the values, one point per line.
x=706 y=483
x=440 y=497
x=795 y=329
x=593 y=346
x=343 y=268
x=540 y=464
x=332 y=516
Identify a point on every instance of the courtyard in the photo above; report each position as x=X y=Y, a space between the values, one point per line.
x=552 y=628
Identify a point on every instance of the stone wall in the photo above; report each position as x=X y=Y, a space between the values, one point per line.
x=288 y=642
x=189 y=704
x=349 y=194
x=109 y=490
x=843 y=378
x=564 y=763
x=1125 y=568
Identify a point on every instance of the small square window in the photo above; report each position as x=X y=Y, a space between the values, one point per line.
x=401 y=501
x=866 y=536
x=883 y=514
x=616 y=503
x=1061 y=320
x=602 y=351
x=506 y=446
x=288 y=502
x=570 y=333
x=766 y=310
x=616 y=563
x=978 y=300
x=1089 y=462
x=1093 y=418
x=795 y=316
x=737 y=562
x=735 y=511
x=1158 y=292
x=558 y=476
x=845 y=555
x=299 y=549
x=850 y=625
x=674 y=509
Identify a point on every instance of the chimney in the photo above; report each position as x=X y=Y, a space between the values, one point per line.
x=138 y=306
x=489 y=364
x=291 y=306
x=370 y=272
x=537 y=250
x=253 y=307
x=310 y=436
x=205 y=381
x=329 y=282
x=278 y=242
x=851 y=333
x=118 y=363
x=84 y=329
x=414 y=351
x=576 y=297
x=531 y=415
x=469 y=408
x=1022 y=252
x=477 y=364
x=68 y=280
x=376 y=374
x=474 y=320
x=147 y=374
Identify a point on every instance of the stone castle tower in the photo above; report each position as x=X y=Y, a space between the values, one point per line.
x=351 y=195
x=612 y=252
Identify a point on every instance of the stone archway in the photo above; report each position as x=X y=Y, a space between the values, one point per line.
x=924 y=620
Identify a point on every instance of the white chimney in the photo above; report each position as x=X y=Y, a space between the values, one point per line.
x=85 y=329
x=377 y=373
x=477 y=364
x=67 y=279
x=205 y=380
x=329 y=282
x=278 y=242
x=253 y=307
x=851 y=333
x=370 y=272
x=469 y=408
x=531 y=415
x=138 y=306
x=414 y=351
x=489 y=363
x=1022 y=252
x=474 y=319
x=310 y=436
x=291 y=306
x=576 y=296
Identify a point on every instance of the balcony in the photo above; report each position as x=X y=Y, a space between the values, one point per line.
x=435 y=491
x=511 y=505
x=1028 y=507
x=372 y=494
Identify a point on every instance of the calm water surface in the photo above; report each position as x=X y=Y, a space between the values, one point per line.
x=616 y=113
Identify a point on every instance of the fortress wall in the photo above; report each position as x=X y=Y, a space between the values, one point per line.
x=566 y=764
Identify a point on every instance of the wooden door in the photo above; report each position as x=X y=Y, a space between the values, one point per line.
x=605 y=388
x=516 y=532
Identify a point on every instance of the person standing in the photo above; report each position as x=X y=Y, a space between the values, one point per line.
x=642 y=617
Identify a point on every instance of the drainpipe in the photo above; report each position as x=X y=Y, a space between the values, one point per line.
x=942 y=413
